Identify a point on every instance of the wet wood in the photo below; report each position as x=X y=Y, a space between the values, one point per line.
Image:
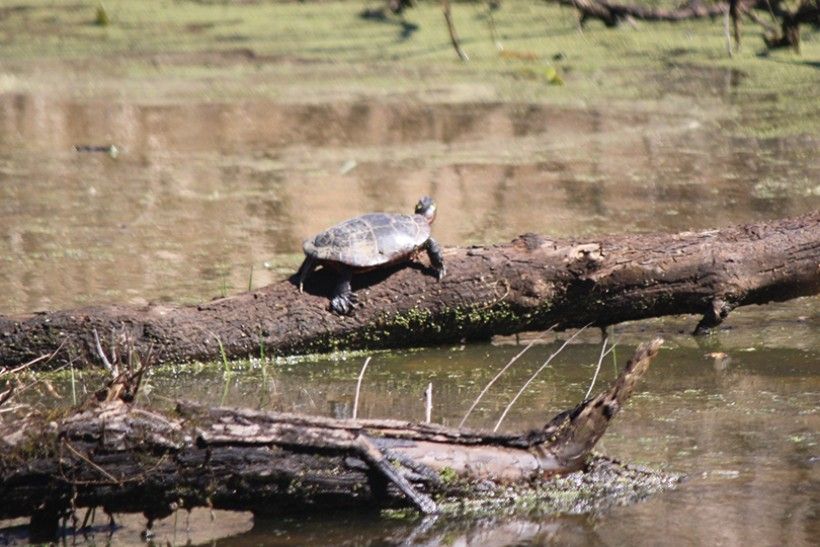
x=528 y=284
x=123 y=458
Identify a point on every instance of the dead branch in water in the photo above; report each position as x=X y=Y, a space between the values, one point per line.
x=451 y=28
x=113 y=454
x=11 y=384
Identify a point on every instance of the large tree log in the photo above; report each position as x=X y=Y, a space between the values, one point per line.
x=529 y=284
x=125 y=459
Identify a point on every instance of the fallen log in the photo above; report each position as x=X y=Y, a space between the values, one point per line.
x=789 y=15
x=613 y=13
x=122 y=458
x=529 y=284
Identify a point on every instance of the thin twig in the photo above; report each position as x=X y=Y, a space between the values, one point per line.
x=451 y=28
x=14 y=389
x=47 y=356
x=88 y=514
x=597 y=368
x=91 y=463
x=726 y=34
x=536 y=373
x=4 y=371
x=359 y=388
x=502 y=371
x=428 y=406
x=101 y=353
x=493 y=34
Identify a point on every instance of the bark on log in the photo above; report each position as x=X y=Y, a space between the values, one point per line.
x=126 y=459
x=529 y=284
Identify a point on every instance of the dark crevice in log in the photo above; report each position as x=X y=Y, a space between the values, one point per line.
x=532 y=283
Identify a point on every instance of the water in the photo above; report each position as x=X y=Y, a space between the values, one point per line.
x=207 y=198
x=204 y=195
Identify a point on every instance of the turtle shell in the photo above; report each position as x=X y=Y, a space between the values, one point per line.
x=370 y=240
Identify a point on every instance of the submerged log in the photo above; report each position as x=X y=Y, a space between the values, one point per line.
x=529 y=284
x=123 y=458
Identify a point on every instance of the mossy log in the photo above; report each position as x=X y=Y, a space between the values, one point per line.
x=530 y=284
x=123 y=458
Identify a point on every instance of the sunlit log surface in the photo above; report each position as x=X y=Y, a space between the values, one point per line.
x=530 y=284
x=123 y=458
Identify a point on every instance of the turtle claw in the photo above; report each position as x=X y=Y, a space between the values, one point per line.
x=343 y=304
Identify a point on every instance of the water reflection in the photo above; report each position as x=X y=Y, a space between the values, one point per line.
x=427 y=532
x=201 y=192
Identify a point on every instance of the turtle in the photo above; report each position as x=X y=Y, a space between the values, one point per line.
x=368 y=242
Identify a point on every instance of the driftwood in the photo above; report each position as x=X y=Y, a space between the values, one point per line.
x=532 y=283
x=613 y=13
x=790 y=15
x=115 y=455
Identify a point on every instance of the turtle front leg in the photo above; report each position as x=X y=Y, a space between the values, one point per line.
x=343 y=298
x=436 y=259
x=308 y=265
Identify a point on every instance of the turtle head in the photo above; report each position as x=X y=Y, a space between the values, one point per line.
x=426 y=207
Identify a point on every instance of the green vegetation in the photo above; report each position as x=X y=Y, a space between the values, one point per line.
x=305 y=51
x=102 y=19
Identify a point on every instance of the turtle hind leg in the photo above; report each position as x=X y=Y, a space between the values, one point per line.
x=308 y=265
x=343 y=298
x=436 y=259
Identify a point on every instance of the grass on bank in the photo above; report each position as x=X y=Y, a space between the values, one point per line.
x=312 y=49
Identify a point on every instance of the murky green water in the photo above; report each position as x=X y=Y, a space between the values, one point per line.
x=207 y=198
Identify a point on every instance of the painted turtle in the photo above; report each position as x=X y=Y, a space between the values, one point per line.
x=371 y=241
